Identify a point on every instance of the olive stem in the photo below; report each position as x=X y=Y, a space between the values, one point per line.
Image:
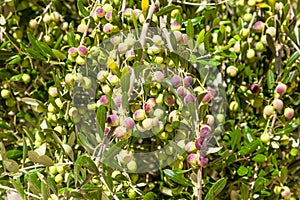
x=200 y=183
x=147 y=22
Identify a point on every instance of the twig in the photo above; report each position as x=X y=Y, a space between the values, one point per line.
x=99 y=156
x=147 y=22
x=252 y=20
x=88 y=23
x=41 y=16
x=104 y=182
x=123 y=10
x=165 y=33
x=14 y=190
x=200 y=183
x=199 y=4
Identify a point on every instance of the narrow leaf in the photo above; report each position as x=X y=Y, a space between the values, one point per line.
x=4 y=125
x=82 y=9
x=166 y=10
x=190 y=29
x=177 y=178
x=45 y=160
x=11 y=165
x=270 y=79
x=293 y=58
x=34 y=42
x=216 y=189
x=200 y=37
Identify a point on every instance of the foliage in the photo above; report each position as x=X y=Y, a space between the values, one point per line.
x=50 y=145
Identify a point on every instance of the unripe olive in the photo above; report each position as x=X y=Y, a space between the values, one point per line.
x=5 y=94
x=168 y=128
x=241 y=2
x=107 y=7
x=58 y=178
x=247 y=17
x=33 y=23
x=55 y=16
x=220 y=118
x=175 y=12
x=26 y=78
x=277 y=189
x=131 y=193
x=132 y=166
x=250 y=53
x=52 y=91
x=294 y=152
x=53 y=170
x=237 y=47
x=47 y=39
x=69 y=78
x=60 y=169
x=268 y=110
x=259 y=46
x=10 y=102
x=80 y=60
x=265 y=138
x=232 y=71
x=163 y=135
x=73 y=112
x=47 y=18
x=159 y=99
x=251 y=3
x=245 y=32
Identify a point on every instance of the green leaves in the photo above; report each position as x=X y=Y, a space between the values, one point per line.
x=242 y=171
x=6 y=54
x=293 y=58
x=42 y=50
x=41 y=159
x=11 y=165
x=167 y=9
x=190 y=29
x=216 y=188
x=177 y=177
x=84 y=161
x=82 y=9
x=270 y=79
x=259 y=158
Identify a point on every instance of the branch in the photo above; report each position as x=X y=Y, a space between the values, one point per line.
x=41 y=16
x=88 y=23
x=199 y=4
x=14 y=190
x=200 y=183
x=165 y=33
x=123 y=10
x=147 y=22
